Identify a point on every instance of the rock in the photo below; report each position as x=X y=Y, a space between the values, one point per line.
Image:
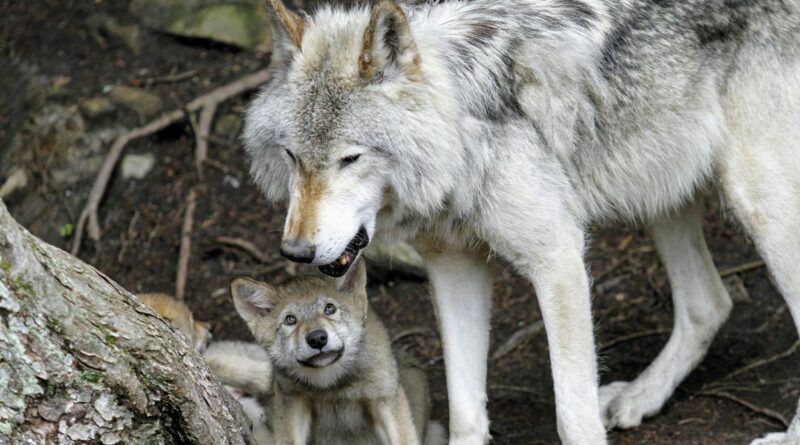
x=242 y=23
x=398 y=257
x=102 y=26
x=137 y=166
x=58 y=134
x=96 y=107
x=141 y=102
x=227 y=124
x=17 y=180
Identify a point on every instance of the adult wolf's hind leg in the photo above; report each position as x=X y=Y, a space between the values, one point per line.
x=760 y=172
x=701 y=306
x=764 y=192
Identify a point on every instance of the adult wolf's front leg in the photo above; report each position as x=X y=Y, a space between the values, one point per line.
x=462 y=296
x=562 y=288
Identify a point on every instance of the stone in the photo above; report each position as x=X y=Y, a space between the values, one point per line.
x=17 y=180
x=241 y=23
x=227 y=124
x=141 y=102
x=102 y=25
x=137 y=166
x=96 y=107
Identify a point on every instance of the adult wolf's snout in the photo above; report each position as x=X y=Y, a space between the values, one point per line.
x=298 y=250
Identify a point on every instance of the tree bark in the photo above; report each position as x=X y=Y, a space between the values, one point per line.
x=82 y=360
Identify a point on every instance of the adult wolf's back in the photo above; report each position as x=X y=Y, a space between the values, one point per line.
x=508 y=127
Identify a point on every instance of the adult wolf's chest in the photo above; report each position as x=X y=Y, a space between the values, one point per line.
x=342 y=422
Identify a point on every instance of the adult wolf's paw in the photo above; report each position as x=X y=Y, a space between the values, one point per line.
x=777 y=439
x=621 y=406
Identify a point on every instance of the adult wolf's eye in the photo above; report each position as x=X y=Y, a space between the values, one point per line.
x=291 y=156
x=344 y=162
x=290 y=320
x=330 y=309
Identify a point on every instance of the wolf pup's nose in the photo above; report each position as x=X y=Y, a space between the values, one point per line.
x=298 y=250
x=317 y=339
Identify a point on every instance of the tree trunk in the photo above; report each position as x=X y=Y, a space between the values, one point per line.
x=82 y=360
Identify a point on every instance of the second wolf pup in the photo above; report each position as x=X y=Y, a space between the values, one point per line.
x=336 y=380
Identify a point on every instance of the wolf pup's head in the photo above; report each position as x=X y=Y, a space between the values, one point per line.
x=349 y=121
x=311 y=327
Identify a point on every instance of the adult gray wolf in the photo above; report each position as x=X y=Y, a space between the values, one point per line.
x=507 y=127
x=335 y=379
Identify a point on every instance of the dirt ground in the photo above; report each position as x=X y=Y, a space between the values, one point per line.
x=141 y=220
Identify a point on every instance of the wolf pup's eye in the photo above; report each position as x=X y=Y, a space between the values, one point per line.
x=344 y=162
x=330 y=309
x=290 y=320
x=291 y=156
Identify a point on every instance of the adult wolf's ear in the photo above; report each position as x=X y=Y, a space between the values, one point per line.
x=253 y=299
x=287 y=30
x=388 y=44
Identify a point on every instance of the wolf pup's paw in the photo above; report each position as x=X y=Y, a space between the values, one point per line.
x=620 y=406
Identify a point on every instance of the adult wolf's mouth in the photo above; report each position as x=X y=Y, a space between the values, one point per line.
x=323 y=359
x=341 y=265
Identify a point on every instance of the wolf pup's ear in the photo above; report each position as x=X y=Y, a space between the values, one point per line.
x=285 y=23
x=252 y=298
x=388 y=44
x=355 y=283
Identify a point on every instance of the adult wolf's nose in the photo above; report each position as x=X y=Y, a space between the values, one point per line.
x=317 y=339
x=298 y=250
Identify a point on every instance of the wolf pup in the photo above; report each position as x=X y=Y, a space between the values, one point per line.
x=508 y=128
x=336 y=380
x=180 y=316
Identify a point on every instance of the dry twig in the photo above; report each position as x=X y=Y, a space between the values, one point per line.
x=203 y=133
x=517 y=338
x=89 y=212
x=634 y=336
x=751 y=406
x=245 y=245
x=741 y=268
x=763 y=362
x=186 y=245
x=419 y=330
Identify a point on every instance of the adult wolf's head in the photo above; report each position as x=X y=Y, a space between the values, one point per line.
x=348 y=119
x=312 y=327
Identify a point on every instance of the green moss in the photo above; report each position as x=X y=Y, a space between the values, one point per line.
x=111 y=340
x=55 y=325
x=91 y=376
x=17 y=283
x=5 y=265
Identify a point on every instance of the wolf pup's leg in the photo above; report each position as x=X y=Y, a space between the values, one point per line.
x=394 y=421
x=292 y=419
x=462 y=298
x=701 y=307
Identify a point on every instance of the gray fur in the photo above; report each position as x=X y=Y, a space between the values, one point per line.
x=527 y=122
